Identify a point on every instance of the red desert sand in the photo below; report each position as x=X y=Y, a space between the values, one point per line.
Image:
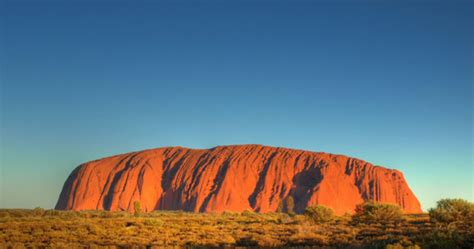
x=232 y=178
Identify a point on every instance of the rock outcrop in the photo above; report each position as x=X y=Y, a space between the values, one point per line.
x=232 y=178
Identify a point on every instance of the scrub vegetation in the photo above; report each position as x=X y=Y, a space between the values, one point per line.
x=449 y=225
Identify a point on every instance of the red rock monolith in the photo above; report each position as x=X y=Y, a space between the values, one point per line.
x=232 y=178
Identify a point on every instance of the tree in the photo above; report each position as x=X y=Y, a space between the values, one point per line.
x=452 y=210
x=137 y=208
x=377 y=212
x=319 y=213
x=454 y=220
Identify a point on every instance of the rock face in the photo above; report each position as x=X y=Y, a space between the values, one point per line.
x=232 y=178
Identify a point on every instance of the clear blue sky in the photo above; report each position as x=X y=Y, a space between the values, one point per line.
x=390 y=83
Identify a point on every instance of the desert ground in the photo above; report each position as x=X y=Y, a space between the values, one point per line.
x=315 y=228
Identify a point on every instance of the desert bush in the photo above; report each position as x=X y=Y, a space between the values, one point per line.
x=137 y=208
x=68 y=214
x=376 y=212
x=18 y=213
x=319 y=213
x=38 y=211
x=454 y=224
x=248 y=213
x=153 y=222
x=304 y=235
x=230 y=213
x=52 y=212
x=400 y=246
x=450 y=211
x=4 y=214
x=454 y=238
x=285 y=219
x=114 y=214
x=264 y=240
x=394 y=246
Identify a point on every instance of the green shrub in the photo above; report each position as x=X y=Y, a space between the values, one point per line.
x=452 y=211
x=377 y=212
x=319 y=213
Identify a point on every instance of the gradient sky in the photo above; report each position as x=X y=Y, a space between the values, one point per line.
x=390 y=83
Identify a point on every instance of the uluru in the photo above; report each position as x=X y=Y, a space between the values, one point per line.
x=232 y=178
